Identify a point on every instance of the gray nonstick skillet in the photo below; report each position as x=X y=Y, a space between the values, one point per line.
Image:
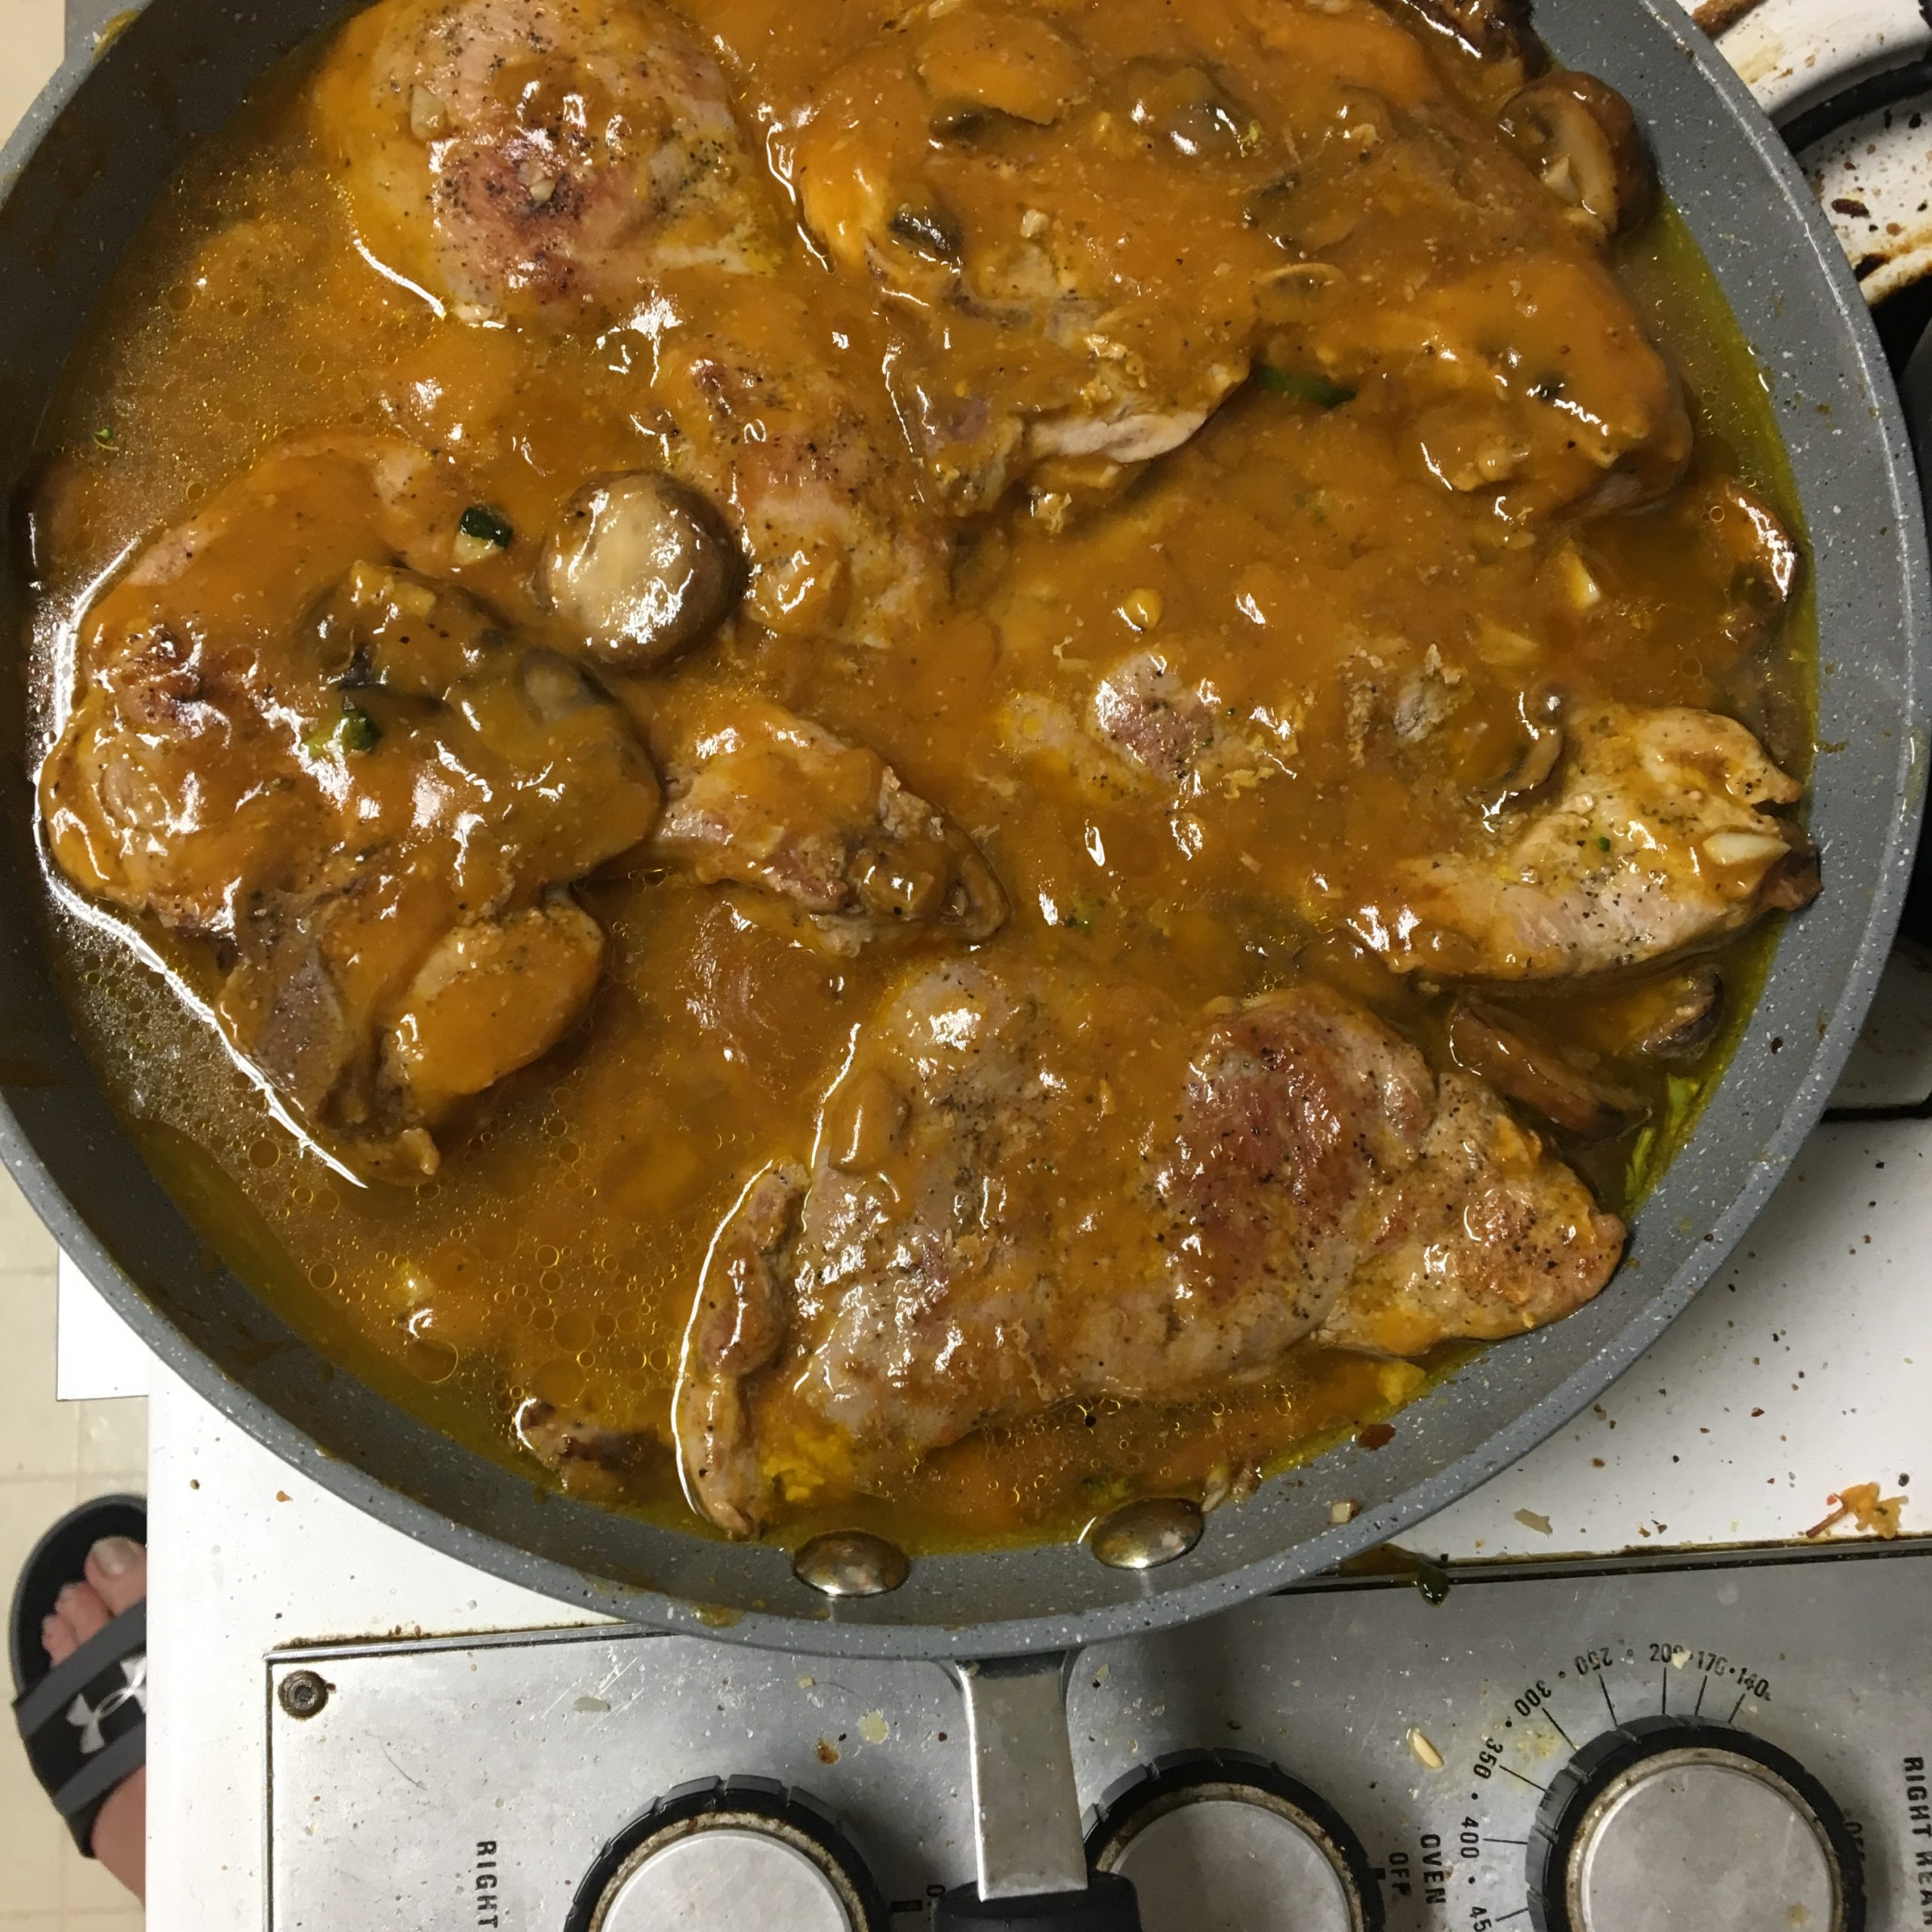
x=80 y=176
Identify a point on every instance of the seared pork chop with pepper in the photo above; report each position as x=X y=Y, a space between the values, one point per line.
x=353 y=797
x=1053 y=703
x=1659 y=835
x=1285 y=1170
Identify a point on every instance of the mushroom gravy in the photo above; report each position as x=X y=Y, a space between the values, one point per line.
x=1249 y=492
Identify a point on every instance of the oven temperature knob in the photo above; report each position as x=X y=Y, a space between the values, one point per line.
x=1222 y=1842
x=735 y=1855
x=1674 y=1825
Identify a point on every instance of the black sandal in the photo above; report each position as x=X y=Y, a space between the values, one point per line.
x=84 y=1722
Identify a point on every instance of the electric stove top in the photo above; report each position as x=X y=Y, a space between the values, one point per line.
x=1678 y=1743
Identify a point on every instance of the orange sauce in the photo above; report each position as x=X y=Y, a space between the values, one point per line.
x=1303 y=544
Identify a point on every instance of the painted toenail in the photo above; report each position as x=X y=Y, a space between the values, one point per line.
x=116 y=1555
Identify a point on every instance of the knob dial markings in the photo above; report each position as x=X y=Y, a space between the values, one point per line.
x=1668 y=1824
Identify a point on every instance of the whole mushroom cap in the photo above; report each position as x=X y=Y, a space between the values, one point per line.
x=639 y=565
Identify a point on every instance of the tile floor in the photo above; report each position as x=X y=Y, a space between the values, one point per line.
x=30 y=52
x=52 y=1454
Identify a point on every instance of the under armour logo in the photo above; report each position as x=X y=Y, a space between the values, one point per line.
x=88 y=1721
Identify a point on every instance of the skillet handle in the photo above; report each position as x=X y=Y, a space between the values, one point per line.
x=1032 y=1862
x=1107 y=1905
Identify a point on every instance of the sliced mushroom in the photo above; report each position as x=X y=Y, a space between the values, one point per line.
x=639 y=567
x=1536 y=1076
x=1303 y=221
x=1763 y=689
x=1579 y=135
x=962 y=123
x=1487 y=29
x=1747 y=534
x=1189 y=110
x=1541 y=712
x=1677 y=1016
x=1534 y=767
x=1794 y=881
x=928 y=230
x=1668 y=1017
x=1542 y=715
x=1273 y=211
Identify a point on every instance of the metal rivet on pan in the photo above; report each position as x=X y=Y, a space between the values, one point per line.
x=1144 y=1535
x=851 y=1563
x=303 y=1693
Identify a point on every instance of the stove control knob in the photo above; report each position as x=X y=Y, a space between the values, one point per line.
x=1221 y=1841
x=1675 y=1825
x=738 y=1855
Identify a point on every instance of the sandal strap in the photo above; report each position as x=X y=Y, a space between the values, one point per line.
x=84 y=1708
x=59 y=1558
x=79 y=1800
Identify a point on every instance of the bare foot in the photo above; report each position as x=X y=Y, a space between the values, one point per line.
x=117 y=1579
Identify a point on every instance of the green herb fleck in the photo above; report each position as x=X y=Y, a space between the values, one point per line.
x=105 y=437
x=1604 y=844
x=482 y=525
x=355 y=730
x=1305 y=388
x=1638 y=1175
x=1651 y=1151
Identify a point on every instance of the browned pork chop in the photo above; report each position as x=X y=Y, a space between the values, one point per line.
x=553 y=162
x=528 y=156
x=759 y=796
x=976 y=160
x=951 y=160
x=349 y=792
x=1286 y=1170
x=1657 y=835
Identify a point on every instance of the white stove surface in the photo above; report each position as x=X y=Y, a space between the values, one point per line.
x=1794 y=54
